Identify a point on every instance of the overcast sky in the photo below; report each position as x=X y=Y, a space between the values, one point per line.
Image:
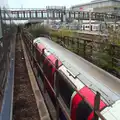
x=43 y=3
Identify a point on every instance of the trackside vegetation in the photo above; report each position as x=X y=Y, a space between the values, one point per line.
x=102 y=51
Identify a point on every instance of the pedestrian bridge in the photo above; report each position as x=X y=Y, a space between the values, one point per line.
x=57 y=14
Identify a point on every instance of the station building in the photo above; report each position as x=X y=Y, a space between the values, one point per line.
x=108 y=6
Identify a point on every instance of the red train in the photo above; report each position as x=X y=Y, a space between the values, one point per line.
x=86 y=78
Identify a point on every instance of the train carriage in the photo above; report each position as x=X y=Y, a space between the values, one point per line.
x=86 y=78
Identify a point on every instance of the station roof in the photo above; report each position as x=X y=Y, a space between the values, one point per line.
x=94 y=2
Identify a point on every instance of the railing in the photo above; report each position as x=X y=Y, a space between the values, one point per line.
x=34 y=62
x=101 y=53
x=57 y=14
x=7 y=57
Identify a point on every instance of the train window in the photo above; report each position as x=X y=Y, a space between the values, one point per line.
x=49 y=71
x=50 y=75
x=41 y=60
x=45 y=66
x=65 y=89
x=83 y=111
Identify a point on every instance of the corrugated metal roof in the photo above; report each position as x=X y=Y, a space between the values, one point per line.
x=94 y=2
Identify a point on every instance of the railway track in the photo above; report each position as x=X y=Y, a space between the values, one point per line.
x=28 y=102
x=51 y=109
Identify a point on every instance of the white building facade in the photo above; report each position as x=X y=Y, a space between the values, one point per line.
x=108 y=6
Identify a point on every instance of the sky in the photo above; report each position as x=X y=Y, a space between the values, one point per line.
x=43 y=3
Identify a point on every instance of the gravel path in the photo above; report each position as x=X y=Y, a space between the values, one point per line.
x=24 y=106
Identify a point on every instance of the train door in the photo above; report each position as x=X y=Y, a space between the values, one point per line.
x=49 y=71
x=80 y=110
x=65 y=91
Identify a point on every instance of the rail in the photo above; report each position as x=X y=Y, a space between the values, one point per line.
x=97 y=114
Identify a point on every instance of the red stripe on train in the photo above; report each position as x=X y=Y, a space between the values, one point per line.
x=75 y=101
x=49 y=63
x=89 y=95
x=53 y=59
x=40 y=47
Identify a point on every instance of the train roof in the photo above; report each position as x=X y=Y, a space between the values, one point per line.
x=91 y=75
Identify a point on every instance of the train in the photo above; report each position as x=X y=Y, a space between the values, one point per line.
x=96 y=26
x=93 y=27
x=83 y=75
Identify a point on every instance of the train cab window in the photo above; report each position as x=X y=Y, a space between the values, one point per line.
x=65 y=89
x=83 y=111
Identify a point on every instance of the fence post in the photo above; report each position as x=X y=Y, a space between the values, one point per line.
x=57 y=93
x=63 y=39
x=112 y=54
x=72 y=40
x=91 y=50
x=44 y=81
x=32 y=52
x=84 y=49
x=78 y=46
x=96 y=105
x=67 y=42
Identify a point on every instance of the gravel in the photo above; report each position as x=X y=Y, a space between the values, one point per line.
x=24 y=105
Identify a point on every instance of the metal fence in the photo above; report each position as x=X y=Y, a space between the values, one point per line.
x=59 y=104
x=7 y=56
x=102 y=54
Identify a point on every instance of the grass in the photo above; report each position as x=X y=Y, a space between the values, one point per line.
x=100 y=54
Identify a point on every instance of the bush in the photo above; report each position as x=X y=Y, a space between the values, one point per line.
x=61 y=32
x=36 y=30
